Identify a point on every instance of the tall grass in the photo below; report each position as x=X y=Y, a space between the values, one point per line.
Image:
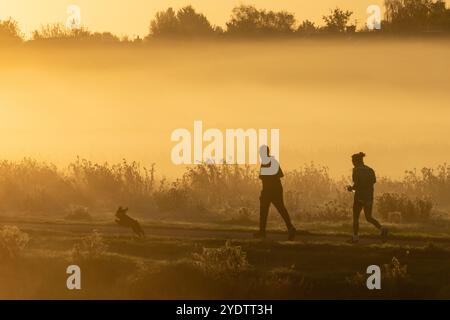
x=40 y=187
x=30 y=186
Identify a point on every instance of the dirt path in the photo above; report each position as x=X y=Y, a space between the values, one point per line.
x=211 y=233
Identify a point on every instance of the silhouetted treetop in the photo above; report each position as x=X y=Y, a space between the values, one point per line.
x=416 y=15
x=307 y=27
x=248 y=20
x=412 y=16
x=184 y=22
x=165 y=23
x=193 y=23
x=338 y=21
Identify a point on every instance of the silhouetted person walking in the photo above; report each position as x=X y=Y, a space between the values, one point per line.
x=272 y=192
x=363 y=184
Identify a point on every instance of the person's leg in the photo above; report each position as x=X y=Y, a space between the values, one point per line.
x=357 y=207
x=264 y=204
x=278 y=202
x=368 y=213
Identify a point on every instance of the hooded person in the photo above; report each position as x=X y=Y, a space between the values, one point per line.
x=364 y=180
x=271 y=193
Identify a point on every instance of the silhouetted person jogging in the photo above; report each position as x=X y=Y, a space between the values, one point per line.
x=272 y=192
x=363 y=184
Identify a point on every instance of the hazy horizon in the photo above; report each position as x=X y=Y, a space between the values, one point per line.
x=110 y=16
x=108 y=104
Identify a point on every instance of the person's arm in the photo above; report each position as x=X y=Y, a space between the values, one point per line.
x=280 y=173
x=354 y=178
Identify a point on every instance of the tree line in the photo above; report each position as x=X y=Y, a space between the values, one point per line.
x=401 y=16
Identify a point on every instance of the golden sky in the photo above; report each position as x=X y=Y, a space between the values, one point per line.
x=132 y=17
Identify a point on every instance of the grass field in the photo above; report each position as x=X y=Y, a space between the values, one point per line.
x=188 y=261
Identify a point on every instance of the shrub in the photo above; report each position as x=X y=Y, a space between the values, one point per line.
x=429 y=182
x=12 y=242
x=91 y=247
x=395 y=271
x=9 y=31
x=333 y=210
x=411 y=209
x=396 y=279
x=395 y=283
x=78 y=213
x=223 y=262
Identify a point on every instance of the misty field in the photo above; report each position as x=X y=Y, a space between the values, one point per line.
x=113 y=102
